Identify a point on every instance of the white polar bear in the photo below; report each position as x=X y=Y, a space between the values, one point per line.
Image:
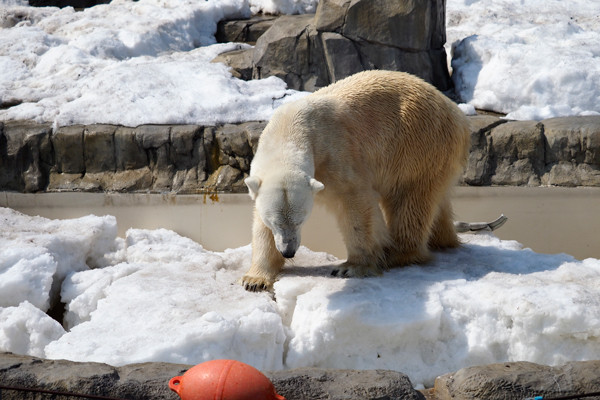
x=381 y=149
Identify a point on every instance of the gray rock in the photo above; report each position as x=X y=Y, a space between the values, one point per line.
x=341 y=56
x=150 y=381
x=292 y=51
x=240 y=62
x=26 y=155
x=479 y=168
x=519 y=380
x=185 y=152
x=99 y=148
x=129 y=152
x=315 y=384
x=247 y=31
x=152 y=136
x=192 y=159
x=518 y=153
x=345 y=37
x=402 y=24
x=64 y=182
x=226 y=178
x=253 y=130
x=130 y=180
x=68 y=149
x=136 y=381
x=330 y=15
x=573 y=139
x=566 y=173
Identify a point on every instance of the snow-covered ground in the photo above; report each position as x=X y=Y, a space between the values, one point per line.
x=157 y=296
x=144 y=62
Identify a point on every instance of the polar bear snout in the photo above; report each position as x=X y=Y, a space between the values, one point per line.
x=289 y=252
x=287 y=243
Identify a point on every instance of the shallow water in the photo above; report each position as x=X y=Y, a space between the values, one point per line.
x=548 y=220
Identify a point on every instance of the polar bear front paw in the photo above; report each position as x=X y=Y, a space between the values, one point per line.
x=351 y=270
x=256 y=283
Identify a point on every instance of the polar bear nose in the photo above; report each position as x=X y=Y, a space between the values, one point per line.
x=288 y=253
x=288 y=248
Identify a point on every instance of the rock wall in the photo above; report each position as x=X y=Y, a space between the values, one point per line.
x=150 y=381
x=200 y=159
x=342 y=38
x=513 y=380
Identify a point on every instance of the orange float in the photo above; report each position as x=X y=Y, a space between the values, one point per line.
x=223 y=380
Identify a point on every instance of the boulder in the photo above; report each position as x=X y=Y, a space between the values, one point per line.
x=291 y=50
x=345 y=37
x=519 y=380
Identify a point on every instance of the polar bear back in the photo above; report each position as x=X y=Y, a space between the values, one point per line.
x=384 y=124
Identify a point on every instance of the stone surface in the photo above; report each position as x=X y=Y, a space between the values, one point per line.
x=518 y=149
x=99 y=148
x=292 y=51
x=345 y=37
x=150 y=381
x=247 y=30
x=240 y=62
x=519 y=380
x=197 y=159
x=68 y=149
x=25 y=155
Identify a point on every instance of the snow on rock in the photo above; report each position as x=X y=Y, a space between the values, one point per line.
x=530 y=59
x=164 y=297
x=128 y=63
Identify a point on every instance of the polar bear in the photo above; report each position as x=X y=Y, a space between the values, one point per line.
x=381 y=150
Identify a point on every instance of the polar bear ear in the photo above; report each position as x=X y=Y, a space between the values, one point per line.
x=253 y=184
x=315 y=185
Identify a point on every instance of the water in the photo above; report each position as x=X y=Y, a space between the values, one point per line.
x=548 y=220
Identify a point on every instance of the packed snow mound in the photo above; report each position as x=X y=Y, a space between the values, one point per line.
x=128 y=63
x=531 y=59
x=157 y=296
x=148 y=61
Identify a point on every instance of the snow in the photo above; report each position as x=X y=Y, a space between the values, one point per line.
x=148 y=62
x=531 y=59
x=157 y=296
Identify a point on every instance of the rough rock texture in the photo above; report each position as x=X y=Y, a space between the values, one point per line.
x=150 y=381
x=157 y=158
x=198 y=159
x=342 y=38
x=519 y=381
x=556 y=151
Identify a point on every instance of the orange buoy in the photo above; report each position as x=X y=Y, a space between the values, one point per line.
x=223 y=380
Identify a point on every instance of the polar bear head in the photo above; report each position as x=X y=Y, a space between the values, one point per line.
x=284 y=202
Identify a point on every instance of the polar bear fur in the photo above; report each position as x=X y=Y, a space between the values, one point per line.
x=381 y=149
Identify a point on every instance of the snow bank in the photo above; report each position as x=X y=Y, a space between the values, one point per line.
x=531 y=59
x=128 y=63
x=148 y=62
x=166 y=298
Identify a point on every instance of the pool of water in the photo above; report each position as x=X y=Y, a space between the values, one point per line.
x=546 y=219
